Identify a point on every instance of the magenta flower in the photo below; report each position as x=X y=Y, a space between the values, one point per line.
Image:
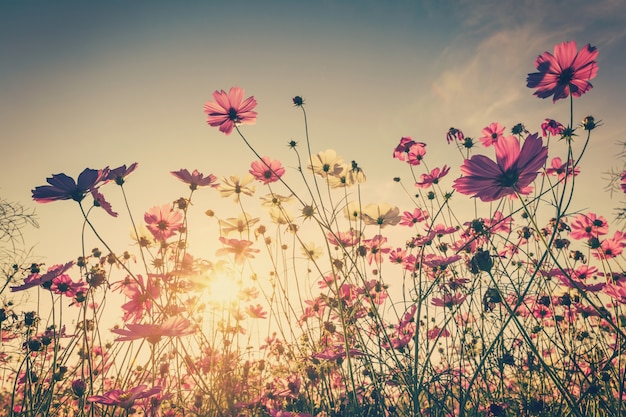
x=195 y=179
x=120 y=173
x=512 y=172
x=401 y=151
x=100 y=201
x=552 y=127
x=587 y=226
x=230 y=109
x=124 y=399
x=623 y=181
x=561 y=170
x=417 y=151
x=63 y=187
x=163 y=221
x=426 y=180
x=491 y=134
x=454 y=134
x=566 y=72
x=267 y=170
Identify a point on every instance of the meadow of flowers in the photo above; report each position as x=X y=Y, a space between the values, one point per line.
x=489 y=294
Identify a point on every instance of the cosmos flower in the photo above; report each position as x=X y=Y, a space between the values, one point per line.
x=229 y=109
x=124 y=399
x=552 y=127
x=426 y=180
x=195 y=179
x=381 y=215
x=623 y=183
x=240 y=248
x=562 y=170
x=565 y=72
x=120 y=173
x=235 y=186
x=455 y=134
x=411 y=218
x=491 y=134
x=100 y=201
x=36 y=279
x=587 y=226
x=326 y=163
x=172 y=327
x=512 y=172
x=267 y=170
x=63 y=187
x=163 y=221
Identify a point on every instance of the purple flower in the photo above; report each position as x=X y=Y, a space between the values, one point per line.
x=99 y=201
x=195 y=179
x=120 y=173
x=63 y=187
x=566 y=72
x=512 y=172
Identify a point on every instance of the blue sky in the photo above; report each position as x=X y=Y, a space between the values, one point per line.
x=107 y=83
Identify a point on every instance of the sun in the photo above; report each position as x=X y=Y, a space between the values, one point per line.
x=223 y=288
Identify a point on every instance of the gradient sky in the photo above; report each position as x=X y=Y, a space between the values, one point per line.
x=95 y=84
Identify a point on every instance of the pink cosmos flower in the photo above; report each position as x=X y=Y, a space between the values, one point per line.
x=124 y=399
x=623 y=184
x=566 y=72
x=562 y=170
x=240 y=248
x=411 y=218
x=195 y=179
x=401 y=151
x=612 y=247
x=426 y=180
x=491 y=134
x=375 y=249
x=267 y=170
x=100 y=201
x=141 y=296
x=587 y=226
x=345 y=239
x=552 y=127
x=163 y=221
x=120 y=173
x=230 y=109
x=448 y=300
x=63 y=187
x=64 y=285
x=172 y=327
x=256 y=312
x=417 y=151
x=513 y=172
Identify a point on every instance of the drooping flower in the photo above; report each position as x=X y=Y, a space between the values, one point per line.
x=100 y=201
x=240 y=248
x=172 y=327
x=230 y=109
x=565 y=72
x=512 y=172
x=63 y=187
x=455 y=134
x=267 y=170
x=552 y=127
x=120 y=173
x=124 y=399
x=195 y=179
x=163 y=221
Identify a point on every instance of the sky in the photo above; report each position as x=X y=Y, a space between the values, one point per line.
x=95 y=84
